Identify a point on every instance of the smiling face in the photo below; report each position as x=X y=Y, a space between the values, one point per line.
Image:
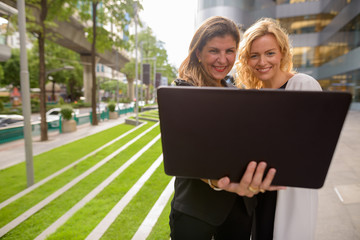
x=218 y=56
x=265 y=59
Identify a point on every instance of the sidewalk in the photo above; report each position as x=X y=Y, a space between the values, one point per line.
x=339 y=199
x=14 y=152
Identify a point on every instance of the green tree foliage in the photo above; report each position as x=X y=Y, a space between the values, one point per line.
x=59 y=57
x=12 y=70
x=56 y=57
x=111 y=20
x=150 y=48
x=112 y=86
x=48 y=12
x=1 y=75
x=104 y=13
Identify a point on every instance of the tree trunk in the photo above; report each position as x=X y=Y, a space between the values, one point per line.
x=131 y=89
x=53 y=91
x=72 y=90
x=93 y=66
x=42 y=72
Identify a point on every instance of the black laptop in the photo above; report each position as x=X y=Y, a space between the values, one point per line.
x=215 y=132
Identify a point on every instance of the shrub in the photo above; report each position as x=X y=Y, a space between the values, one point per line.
x=111 y=106
x=61 y=101
x=66 y=112
x=124 y=100
x=80 y=104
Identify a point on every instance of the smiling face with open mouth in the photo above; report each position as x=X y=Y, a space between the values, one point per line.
x=218 y=56
x=265 y=59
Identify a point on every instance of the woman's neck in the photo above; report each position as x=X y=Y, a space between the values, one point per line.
x=278 y=81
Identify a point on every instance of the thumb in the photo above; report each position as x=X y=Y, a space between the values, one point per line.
x=223 y=182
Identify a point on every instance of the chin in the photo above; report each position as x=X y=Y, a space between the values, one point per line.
x=263 y=78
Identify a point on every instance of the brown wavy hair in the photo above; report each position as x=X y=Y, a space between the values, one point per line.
x=191 y=69
x=245 y=77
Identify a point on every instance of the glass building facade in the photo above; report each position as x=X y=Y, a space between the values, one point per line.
x=325 y=34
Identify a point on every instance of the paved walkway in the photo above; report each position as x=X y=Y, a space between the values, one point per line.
x=339 y=206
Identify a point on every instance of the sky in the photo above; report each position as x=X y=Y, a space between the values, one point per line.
x=172 y=22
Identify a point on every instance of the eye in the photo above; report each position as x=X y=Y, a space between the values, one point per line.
x=270 y=53
x=230 y=51
x=253 y=56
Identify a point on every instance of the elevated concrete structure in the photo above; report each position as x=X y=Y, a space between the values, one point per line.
x=71 y=35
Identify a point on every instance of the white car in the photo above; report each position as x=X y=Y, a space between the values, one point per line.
x=53 y=116
x=5 y=120
x=101 y=107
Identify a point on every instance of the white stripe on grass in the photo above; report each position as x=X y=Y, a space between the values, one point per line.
x=45 y=180
x=101 y=228
x=52 y=228
x=8 y=227
x=147 y=225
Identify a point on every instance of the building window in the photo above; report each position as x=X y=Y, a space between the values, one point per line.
x=345 y=40
x=306 y=24
x=293 y=1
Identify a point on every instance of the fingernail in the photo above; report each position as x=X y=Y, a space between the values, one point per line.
x=262 y=164
x=272 y=170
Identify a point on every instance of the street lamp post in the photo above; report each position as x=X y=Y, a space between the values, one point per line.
x=154 y=86
x=141 y=71
x=25 y=91
x=136 y=68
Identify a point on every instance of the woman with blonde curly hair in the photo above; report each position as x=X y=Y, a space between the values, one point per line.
x=265 y=61
x=263 y=27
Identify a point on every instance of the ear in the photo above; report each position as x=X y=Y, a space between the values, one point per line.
x=198 y=55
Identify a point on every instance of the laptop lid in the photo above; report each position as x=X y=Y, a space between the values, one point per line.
x=215 y=132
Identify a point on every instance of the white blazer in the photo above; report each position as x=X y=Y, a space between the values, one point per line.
x=296 y=208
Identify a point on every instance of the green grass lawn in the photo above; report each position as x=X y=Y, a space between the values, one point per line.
x=12 y=180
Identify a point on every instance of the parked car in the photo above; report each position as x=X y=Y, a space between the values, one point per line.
x=5 y=120
x=53 y=116
x=101 y=107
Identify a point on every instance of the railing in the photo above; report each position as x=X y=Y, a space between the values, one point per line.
x=9 y=134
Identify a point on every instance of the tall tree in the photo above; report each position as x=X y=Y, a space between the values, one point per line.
x=93 y=63
x=104 y=13
x=47 y=11
x=50 y=11
x=59 y=57
x=129 y=71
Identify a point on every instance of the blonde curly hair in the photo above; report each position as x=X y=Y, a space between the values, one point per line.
x=245 y=77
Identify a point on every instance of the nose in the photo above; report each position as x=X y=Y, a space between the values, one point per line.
x=261 y=60
x=222 y=58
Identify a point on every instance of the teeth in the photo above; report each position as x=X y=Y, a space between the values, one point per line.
x=263 y=69
x=220 y=67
